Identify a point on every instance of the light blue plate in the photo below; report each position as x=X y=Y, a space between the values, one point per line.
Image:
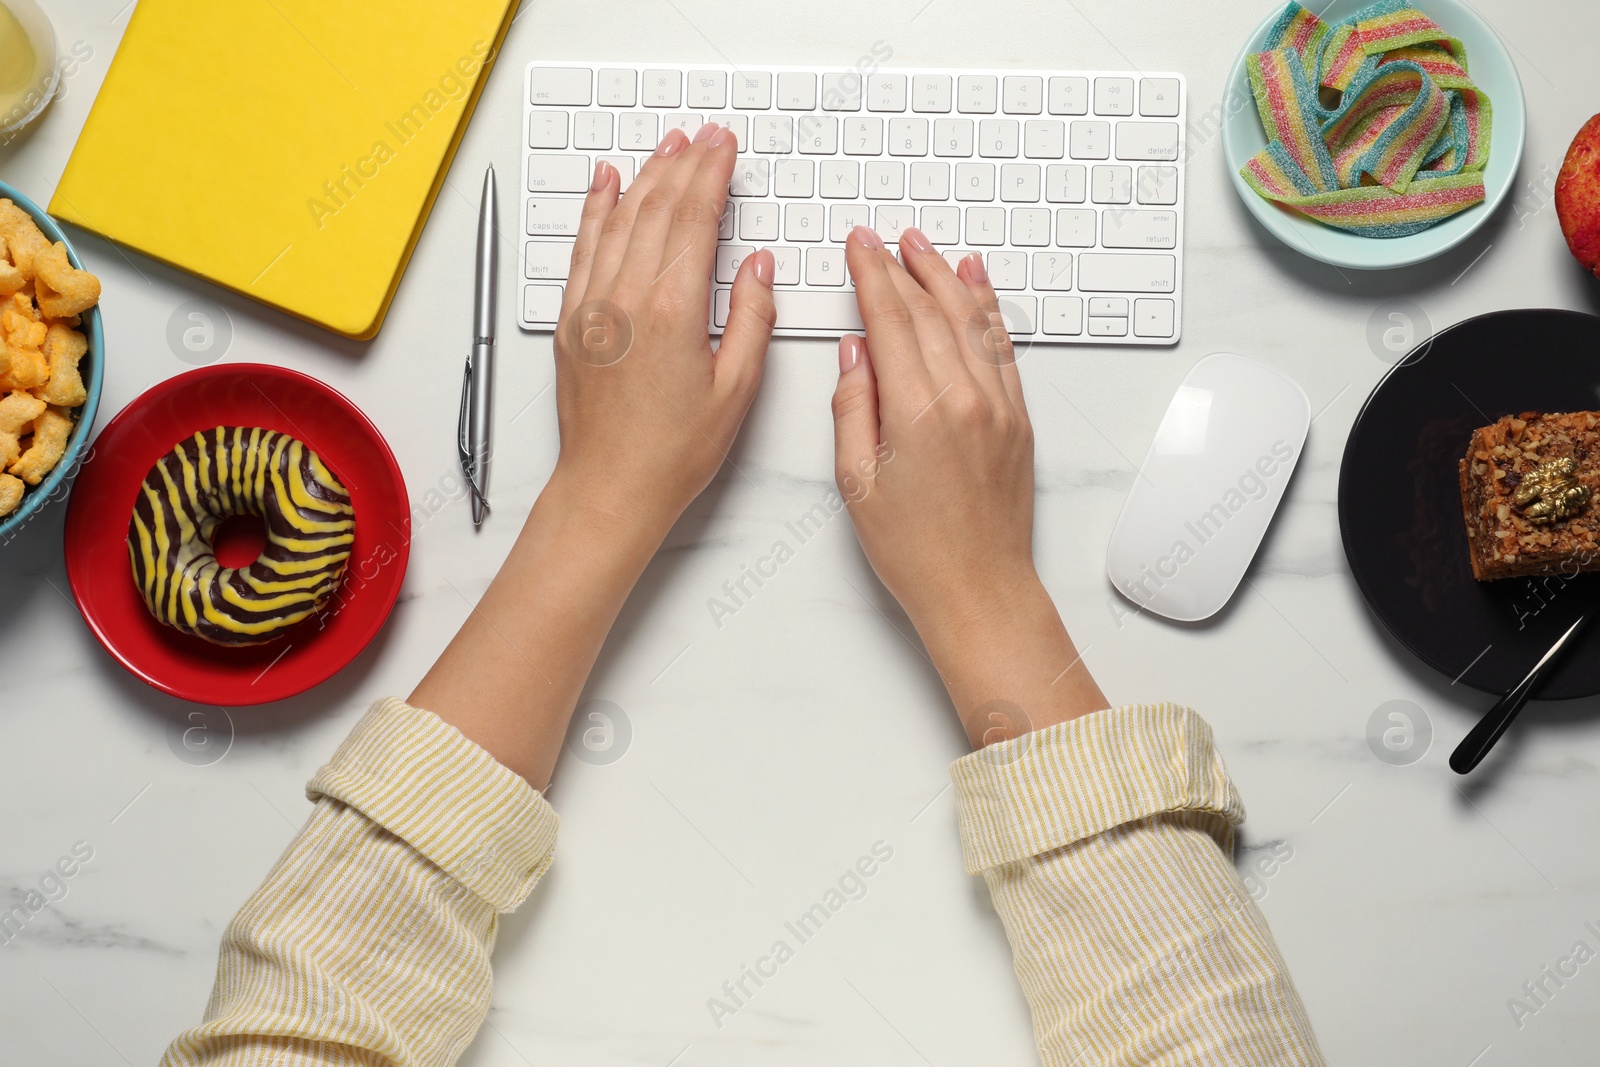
x=58 y=483
x=1491 y=68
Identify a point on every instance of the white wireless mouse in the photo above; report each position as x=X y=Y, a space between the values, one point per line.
x=1202 y=502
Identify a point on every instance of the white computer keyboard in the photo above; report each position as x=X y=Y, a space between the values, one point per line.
x=1071 y=184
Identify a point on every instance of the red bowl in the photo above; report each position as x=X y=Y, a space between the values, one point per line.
x=236 y=394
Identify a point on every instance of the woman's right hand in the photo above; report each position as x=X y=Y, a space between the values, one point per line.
x=934 y=453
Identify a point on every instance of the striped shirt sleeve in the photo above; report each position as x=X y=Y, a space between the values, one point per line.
x=1106 y=843
x=369 y=941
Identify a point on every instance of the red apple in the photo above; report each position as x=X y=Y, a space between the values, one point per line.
x=1578 y=196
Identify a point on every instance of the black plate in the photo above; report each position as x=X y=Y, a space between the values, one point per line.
x=1400 y=500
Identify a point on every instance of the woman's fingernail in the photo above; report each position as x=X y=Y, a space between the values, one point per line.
x=849 y=353
x=867 y=236
x=723 y=136
x=764 y=265
x=602 y=176
x=705 y=132
x=975 y=268
x=674 y=141
x=915 y=240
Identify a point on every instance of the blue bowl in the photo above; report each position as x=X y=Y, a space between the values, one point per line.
x=1491 y=68
x=58 y=483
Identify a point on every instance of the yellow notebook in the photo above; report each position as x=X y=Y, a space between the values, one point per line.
x=286 y=149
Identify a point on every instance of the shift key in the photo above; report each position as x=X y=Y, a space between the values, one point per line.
x=554 y=218
x=1111 y=272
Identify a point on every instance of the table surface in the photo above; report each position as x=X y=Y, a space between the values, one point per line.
x=766 y=753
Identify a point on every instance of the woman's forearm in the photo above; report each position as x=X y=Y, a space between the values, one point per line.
x=510 y=678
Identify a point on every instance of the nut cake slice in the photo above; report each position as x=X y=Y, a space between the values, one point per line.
x=1526 y=488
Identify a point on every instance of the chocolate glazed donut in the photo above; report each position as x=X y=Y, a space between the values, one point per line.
x=229 y=471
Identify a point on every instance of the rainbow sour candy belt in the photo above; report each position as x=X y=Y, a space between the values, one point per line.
x=1406 y=146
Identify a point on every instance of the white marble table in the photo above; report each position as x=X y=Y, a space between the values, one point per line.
x=769 y=753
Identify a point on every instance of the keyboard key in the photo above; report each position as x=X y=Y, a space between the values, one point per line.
x=1019 y=183
x=547 y=129
x=560 y=86
x=1113 y=96
x=592 y=129
x=930 y=181
x=892 y=220
x=886 y=180
x=1023 y=95
x=986 y=225
x=1030 y=227
x=1158 y=98
x=954 y=256
x=863 y=137
x=818 y=135
x=825 y=266
x=794 y=178
x=797 y=91
x=752 y=90
x=1066 y=183
x=663 y=88
x=1157 y=185
x=908 y=137
x=687 y=121
x=1147 y=140
x=729 y=257
x=559 y=174
x=841 y=92
x=974 y=181
x=739 y=124
x=786 y=264
x=1139 y=229
x=750 y=177
x=952 y=137
x=541 y=304
x=725 y=222
x=1091 y=140
x=1111 y=185
x=1153 y=317
x=803 y=222
x=625 y=168
x=1107 y=327
x=1113 y=306
x=886 y=92
x=1075 y=227
x=1008 y=270
x=554 y=218
x=708 y=89
x=1052 y=271
x=930 y=93
x=758 y=221
x=547 y=260
x=840 y=179
x=1018 y=313
x=772 y=134
x=1063 y=316
x=976 y=93
x=1044 y=139
x=842 y=218
x=1069 y=96
x=617 y=88
x=942 y=224
x=801 y=310
x=638 y=130
x=998 y=138
x=1112 y=272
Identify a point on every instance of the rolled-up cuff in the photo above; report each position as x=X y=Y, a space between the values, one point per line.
x=1050 y=788
x=425 y=782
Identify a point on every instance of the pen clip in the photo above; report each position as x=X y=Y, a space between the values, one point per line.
x=463 y=450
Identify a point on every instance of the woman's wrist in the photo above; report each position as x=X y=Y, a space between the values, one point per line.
x=1008 y=662
x=601 y=524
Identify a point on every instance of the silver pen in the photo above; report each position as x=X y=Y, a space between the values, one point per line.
x=477 y=384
